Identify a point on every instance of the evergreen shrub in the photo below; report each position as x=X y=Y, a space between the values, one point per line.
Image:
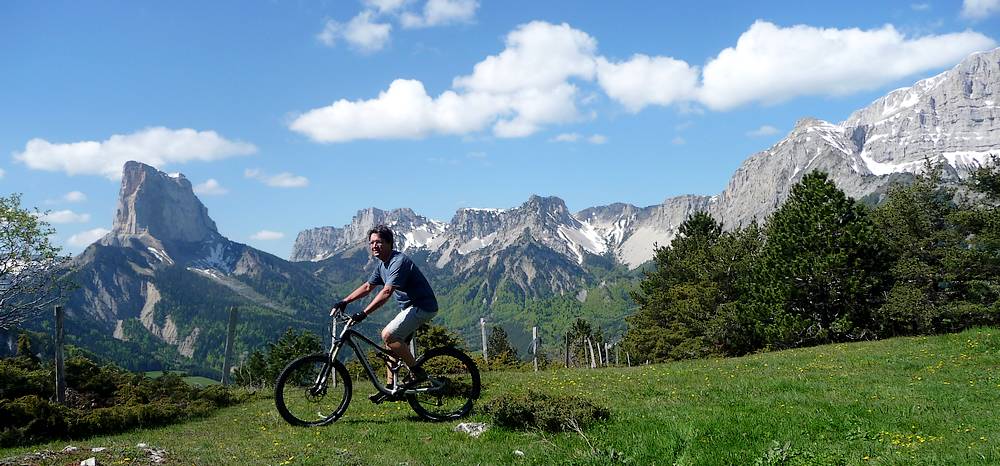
x=551 y=413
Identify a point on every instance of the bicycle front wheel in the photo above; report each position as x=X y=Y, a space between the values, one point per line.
x=312 y=391
x=452 y=386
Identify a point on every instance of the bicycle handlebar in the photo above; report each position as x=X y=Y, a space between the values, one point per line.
x=341 y=316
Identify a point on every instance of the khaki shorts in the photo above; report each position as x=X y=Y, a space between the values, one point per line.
x=406 y=322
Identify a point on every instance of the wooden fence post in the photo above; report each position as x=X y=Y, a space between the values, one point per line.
x=482 y=329
x=534 y=346
x=567 y=349
x=60 y=364
x=227 y=363
x=593 y=363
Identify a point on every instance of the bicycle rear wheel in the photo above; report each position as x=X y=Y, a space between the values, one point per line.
x=312 y=391
x=452 y=386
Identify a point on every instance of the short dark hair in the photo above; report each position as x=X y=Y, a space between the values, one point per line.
x=384 y=233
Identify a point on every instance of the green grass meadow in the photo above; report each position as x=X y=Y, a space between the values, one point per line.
x=924 y=400
x=194 y=380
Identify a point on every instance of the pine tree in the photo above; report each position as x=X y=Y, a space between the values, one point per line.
x=917 y=223
x=434 y=336
x=823 y=269
x=680 y=302
x=500 y=351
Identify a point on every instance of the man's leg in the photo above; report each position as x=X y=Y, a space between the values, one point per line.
x=399 y=348
x=396 y=334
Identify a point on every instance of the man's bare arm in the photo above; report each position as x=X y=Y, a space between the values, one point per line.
x=380 y=299
x=359 y=293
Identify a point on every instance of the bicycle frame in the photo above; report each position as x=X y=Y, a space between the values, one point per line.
x=348 y=336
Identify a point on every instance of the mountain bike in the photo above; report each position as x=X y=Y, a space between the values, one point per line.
x=315 y=390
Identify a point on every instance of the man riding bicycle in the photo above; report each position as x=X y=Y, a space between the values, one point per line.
x=398 y=276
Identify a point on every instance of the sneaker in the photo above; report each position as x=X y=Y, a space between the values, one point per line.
x=377 y=397
x=416 y=377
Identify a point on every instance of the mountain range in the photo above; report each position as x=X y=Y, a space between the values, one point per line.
x=951 y=118
x=159 y=283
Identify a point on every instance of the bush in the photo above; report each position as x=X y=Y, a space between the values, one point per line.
x=552 y=413
x=262 y=368
x=31 y=419
x=18 y=379
x=100 y=399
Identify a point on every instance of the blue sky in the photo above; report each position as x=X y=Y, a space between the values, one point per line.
x=289 y=115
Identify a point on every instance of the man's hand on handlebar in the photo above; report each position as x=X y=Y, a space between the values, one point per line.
x=357 y=317
x=339 y=307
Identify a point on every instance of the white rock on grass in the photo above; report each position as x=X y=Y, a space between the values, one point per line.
x=70 y=449
x=89 y=462
x=98 y=449
x=474 y=429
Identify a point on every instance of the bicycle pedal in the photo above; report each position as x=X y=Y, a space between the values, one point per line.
x=377 y=397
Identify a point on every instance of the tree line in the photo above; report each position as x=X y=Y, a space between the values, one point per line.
x=825 y=268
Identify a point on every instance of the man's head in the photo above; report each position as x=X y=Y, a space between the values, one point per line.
x=380 y=242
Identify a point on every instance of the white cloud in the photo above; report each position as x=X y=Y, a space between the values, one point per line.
x=566 y=137
x=441 y=12
x=84 y=238
x=678 y=141
x=210 y=187
x=765 y=130
x=74 y=196
x=361 y=32
x=533 y=82
x=920 y=6
x=979 y=9
x=404 y=111
x=534 y=108
x=280 y=180
x=2 y=173
x=644 y=80
x=771 y=64
x=538 y=55
x=385 y=6
x=154 y=146
x=576 y=137
x=517 y=91
x=64 y=216
x=267 y=235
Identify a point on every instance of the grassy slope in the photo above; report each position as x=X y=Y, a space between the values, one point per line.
x=194 y=380
x=927 y=400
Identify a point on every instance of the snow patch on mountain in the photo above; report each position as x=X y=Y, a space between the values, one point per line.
x=476 y=244
x=969 y=159
x=424 y=235
x=584 y=238
x=160 y=255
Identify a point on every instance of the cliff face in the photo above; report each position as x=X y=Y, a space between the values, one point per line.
x=410 y=230
x=160 y=205
x=163 y=252
x=952 y=118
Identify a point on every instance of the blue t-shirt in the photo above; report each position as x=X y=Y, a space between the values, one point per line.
x=410 y=286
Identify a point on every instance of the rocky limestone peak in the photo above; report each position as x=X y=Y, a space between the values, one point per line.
x=316 y=243
x=471 y=223
x=409 y=230
x=163 y=206
x=543 y=211
x=952 y=117
x=807 y=122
